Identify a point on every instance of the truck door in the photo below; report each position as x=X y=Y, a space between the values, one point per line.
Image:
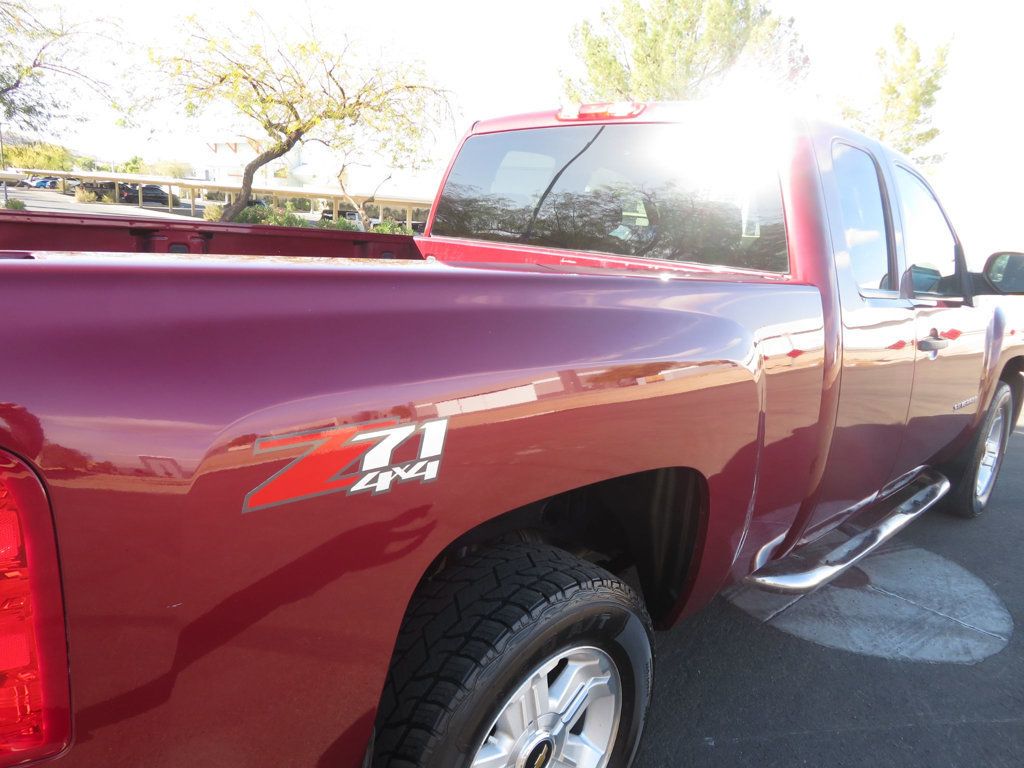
x=878 y=332
x=950 y=335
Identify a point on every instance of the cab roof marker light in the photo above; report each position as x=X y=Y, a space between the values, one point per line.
x=601 y=110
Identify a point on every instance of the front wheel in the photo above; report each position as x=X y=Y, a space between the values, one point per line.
x=985 y=456
x=518 y=655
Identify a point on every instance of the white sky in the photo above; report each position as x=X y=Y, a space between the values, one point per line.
x=506 y=57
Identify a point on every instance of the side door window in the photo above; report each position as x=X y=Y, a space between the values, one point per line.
x=863 y=218
x=927 y=239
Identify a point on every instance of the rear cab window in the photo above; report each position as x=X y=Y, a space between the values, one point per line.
x=657 y=191
x=862 y=213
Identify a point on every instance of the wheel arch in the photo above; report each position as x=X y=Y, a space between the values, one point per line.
x=1012 y=373
x=652 y=520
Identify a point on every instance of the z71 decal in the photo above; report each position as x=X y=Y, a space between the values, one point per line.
x=349 y=459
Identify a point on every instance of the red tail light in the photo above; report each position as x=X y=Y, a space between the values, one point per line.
x=35 y=719
x=601 y=111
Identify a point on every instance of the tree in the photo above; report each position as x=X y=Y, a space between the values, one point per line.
x=299 y=91
x=356 y=151
x=903 y=115
x=173 y=168
x=52 y=157
x=132 y=165
x=678 y=49
x=37 y=55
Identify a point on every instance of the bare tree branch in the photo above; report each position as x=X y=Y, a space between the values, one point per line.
x=302 y=91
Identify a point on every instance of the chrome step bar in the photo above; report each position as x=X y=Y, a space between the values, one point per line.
x=817 y=563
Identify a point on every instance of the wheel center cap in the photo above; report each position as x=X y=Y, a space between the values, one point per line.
x=540 y=755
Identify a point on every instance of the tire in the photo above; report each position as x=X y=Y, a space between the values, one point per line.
x=973 y=490
x=494 y=629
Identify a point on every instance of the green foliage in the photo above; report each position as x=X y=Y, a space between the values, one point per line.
x=903 y=114
x=14 y=204
x=84 y=196
x=213 y=212
x=133 y=165
x=301 y=204
x=341 y=223
x=301 y=89
x=677 y=49
x=171 y=168
x=389 y=227
x=51 y=157
x=265 y=214
x=40 y=55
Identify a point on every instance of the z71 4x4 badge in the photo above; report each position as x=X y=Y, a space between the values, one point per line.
x=349 y=459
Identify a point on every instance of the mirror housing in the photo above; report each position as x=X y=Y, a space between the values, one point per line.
x=1005 y=272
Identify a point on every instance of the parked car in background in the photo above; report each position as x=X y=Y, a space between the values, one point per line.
x=327 y=214
x=102 y=189
x=368 y=499
x=31 y=181
x=151 y=193
x=47 y=182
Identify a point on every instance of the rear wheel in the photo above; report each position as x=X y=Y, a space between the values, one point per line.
x=518 y=656
x=973 y=490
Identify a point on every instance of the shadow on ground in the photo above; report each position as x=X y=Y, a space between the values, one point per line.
x=733 y=691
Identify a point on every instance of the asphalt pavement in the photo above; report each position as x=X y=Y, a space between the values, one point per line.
x=54 y=201
x=911 y=660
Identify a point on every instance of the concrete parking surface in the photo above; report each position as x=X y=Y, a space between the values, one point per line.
x=935 y=676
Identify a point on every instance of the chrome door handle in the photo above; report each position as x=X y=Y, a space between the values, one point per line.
x=932 y=344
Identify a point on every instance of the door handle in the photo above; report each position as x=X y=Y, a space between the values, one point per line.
x=932 y=344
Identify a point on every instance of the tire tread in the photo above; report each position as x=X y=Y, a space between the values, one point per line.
x=462 y=619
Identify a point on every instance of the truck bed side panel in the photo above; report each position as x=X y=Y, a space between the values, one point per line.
x=204 y=636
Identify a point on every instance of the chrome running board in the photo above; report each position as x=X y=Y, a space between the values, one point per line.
x=818 y=563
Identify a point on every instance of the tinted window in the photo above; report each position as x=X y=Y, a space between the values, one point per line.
x=929 y=243
x=654 y=191
x=863 y=216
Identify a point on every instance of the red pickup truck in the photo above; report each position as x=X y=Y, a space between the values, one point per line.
x=292 y=497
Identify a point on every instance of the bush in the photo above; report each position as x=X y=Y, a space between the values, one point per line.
x=14 y=205
x=264 y=214
x=342 y=223
x=84 y=195
x=389 y=227
x=212 y=212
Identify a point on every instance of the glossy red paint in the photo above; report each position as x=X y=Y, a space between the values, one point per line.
x=172 y=389
x=150 y=455
x=24 y=231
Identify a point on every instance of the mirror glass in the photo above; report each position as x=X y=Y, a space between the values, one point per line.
x=1006 y=272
